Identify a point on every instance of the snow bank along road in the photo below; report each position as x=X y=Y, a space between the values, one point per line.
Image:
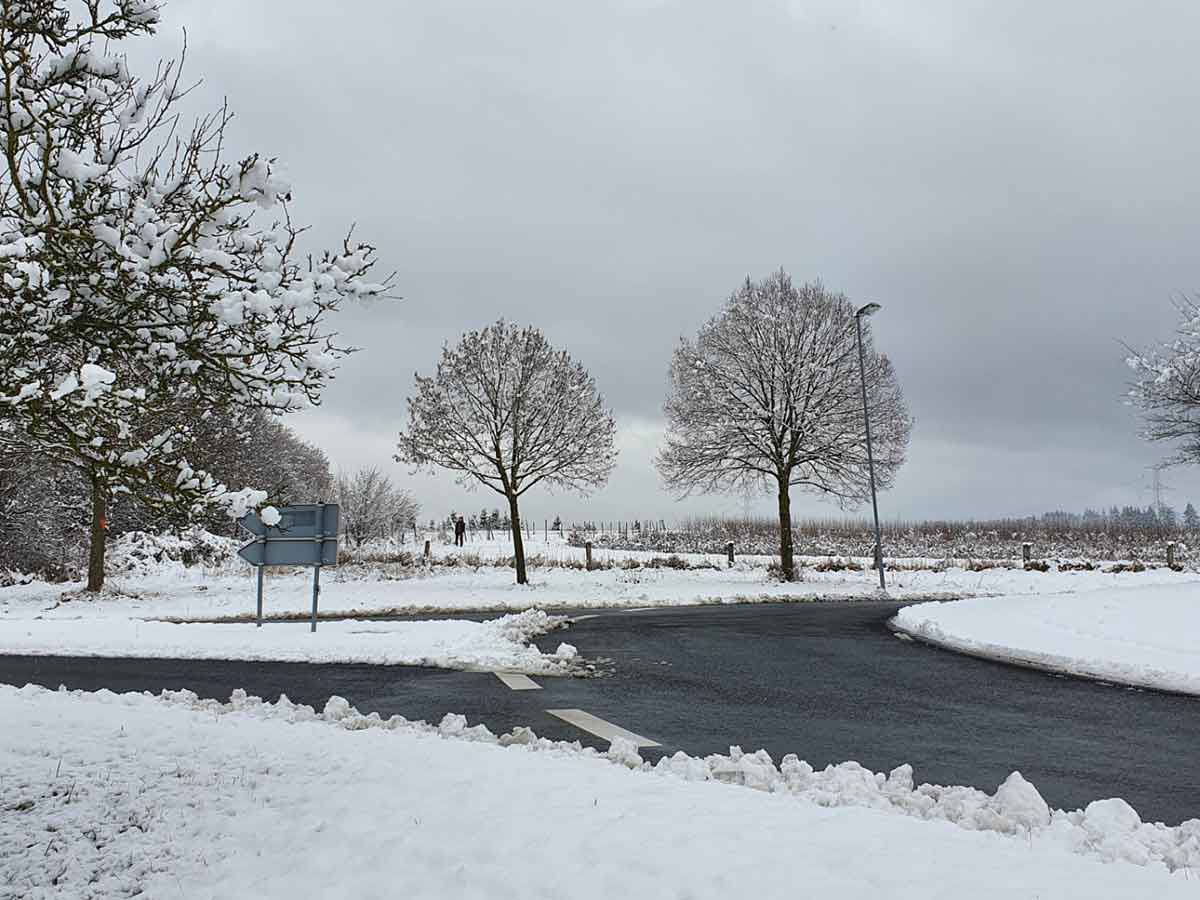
x=828 y=683
x=498 y=643
x=170 y=797
x=1140 y=635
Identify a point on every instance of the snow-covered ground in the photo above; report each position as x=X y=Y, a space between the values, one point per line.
x=557 y=549
x=107 y=795
x=147 y=588
x=1142 y=635
x=149 y=583
x=498 y=644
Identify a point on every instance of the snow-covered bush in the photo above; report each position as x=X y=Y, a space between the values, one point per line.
x=143 y=553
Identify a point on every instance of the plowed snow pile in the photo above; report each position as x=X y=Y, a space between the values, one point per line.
x=106 y=795
x=1143 y=636
x=502 y=643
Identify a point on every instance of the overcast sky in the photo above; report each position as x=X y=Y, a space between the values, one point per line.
x=1015 y=183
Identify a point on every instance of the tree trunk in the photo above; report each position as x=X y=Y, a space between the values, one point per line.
x=95 y=580
x=786 y=561
x=518 y=542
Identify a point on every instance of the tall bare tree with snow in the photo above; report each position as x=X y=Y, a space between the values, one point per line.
x=768 y=395
x=508 y=411
x=138 y=275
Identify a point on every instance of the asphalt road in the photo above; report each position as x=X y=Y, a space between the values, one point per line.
x=825 y=681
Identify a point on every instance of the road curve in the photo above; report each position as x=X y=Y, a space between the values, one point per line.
x=826 y=681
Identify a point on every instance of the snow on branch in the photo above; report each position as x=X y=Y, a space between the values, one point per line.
x=1166 y=386
x=509 y=411
x=770 y=391
x=141 y=269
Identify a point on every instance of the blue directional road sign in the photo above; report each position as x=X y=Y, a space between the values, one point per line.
x=305 y=535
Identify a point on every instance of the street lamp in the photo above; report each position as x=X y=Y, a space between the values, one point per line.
x=869 y=310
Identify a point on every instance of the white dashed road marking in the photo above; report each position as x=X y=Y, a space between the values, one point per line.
x=518 y=682
x=599 y=727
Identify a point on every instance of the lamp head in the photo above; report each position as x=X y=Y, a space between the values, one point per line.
x=869 y=310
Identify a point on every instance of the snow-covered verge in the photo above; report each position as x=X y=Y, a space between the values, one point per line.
x=552 y=550
x=112 y=795
x=165 y=588
x=497 y=644
x=1139 y=635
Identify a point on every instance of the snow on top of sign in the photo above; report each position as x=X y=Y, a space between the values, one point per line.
x=270 y=516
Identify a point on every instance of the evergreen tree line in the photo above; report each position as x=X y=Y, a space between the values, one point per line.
x=1161 y=516
x=487 y=520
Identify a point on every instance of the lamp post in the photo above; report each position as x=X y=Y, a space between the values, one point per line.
x=869 y=310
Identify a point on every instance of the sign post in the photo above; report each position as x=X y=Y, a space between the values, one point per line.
x=302 y=536
x=316 y=591
x=260 y=587
x=318 y=539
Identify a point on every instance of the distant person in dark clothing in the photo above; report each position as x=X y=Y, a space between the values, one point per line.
x=460 y=531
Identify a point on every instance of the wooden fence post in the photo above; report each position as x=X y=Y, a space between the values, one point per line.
x=1026 y=549
x=729 y=549
x=1171 y=554
x=587 y=549
x=426 y=550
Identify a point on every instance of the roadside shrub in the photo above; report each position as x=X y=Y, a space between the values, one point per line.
x=838 y=565
x=667 y=562
x=1054 y=537
x=775 y=571
x=141 y=551
x=1135 y=566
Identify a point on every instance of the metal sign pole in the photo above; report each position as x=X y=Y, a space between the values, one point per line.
x=319 y=545
x=316 y=590
x=260 y=592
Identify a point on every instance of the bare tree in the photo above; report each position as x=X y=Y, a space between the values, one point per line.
x=1167 y=387
x=769 y=394
x=508 y=411
x=372 y=506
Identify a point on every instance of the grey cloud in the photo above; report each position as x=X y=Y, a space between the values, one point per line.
x=1013 y=182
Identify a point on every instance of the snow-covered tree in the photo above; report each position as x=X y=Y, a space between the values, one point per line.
x=1191 y=519
x=237 y=445
x=1166 y=387
x=1167 y=517
x=142 y=272
x=45 y=505
x=44 y=508
x=508 y=411
x=769 y=395
x=371 y=506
